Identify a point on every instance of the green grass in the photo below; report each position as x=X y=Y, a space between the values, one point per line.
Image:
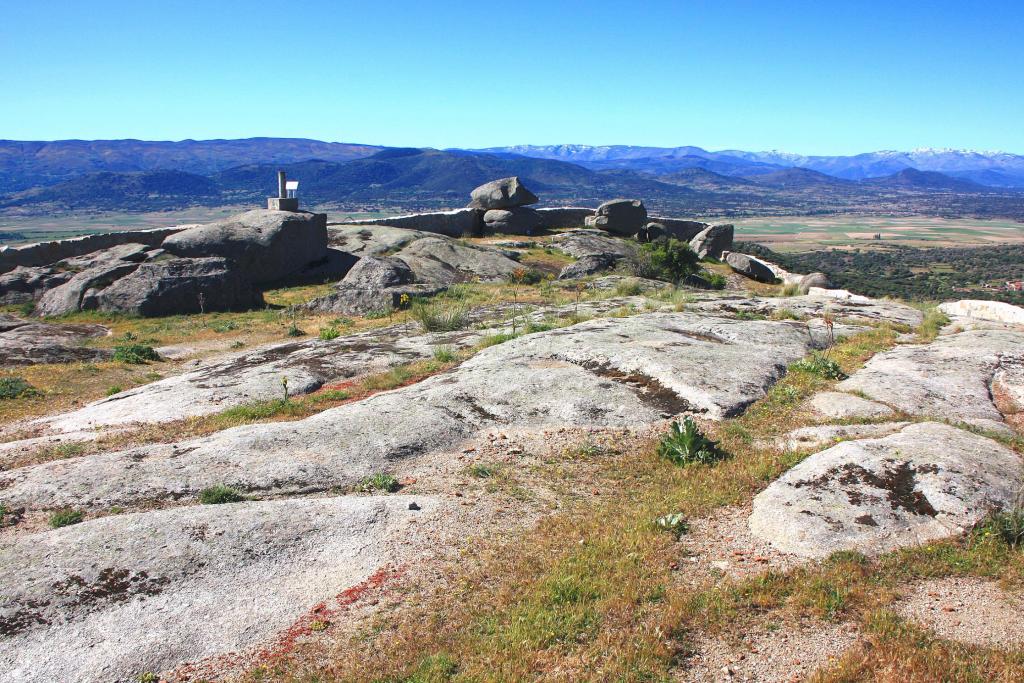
x=135 y=354
x=821 y=365
x=330 y=332
x=12 y=387
x=380 y=482
x=220 y=494
x=62 y=518
x=440 y=314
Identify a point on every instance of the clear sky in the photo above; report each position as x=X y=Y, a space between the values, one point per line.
x=810 y=77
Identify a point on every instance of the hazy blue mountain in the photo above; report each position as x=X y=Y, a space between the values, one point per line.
x=29 y=164
x=111 y=191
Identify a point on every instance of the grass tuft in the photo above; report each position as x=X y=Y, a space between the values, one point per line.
x=220 y=494
x=67 y=517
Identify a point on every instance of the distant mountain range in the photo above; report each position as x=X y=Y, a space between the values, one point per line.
x=995 y=169
x=133 y=175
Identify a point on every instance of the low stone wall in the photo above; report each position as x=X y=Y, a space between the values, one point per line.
x=679 y=228
x=44 y=253
x=565 y=216
x=456 y=223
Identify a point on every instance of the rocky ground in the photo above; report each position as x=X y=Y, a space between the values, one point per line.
x=395 y=487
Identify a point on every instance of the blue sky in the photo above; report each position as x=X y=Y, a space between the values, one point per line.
x=808 y=77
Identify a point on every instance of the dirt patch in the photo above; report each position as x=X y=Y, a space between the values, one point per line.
x=775 y=652
x=967 y=610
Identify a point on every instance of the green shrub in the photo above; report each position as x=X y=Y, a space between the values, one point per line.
x=135 y=354
x=933 y=321
x=378 y=314
x=216 y=495
x=149 y=677
x=665 y=259
x=628 y=287
x=686 y=445
x=481 y=470
x=675 y=523
x=716 y=280
x=330 y=332
x=445 y=354
x=27 y=308
x=821 y=365
x=114 y=389
x=440 y=314
x=65 y=518
x=13 y=386
x=380 y=482
x=1009 y=526
x=524 y=276
x=294 y=331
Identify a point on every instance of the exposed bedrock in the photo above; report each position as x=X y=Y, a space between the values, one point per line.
x=29 y=343
x=606 y=372
x=117 y=596
x=876 y=495
x=948 y=379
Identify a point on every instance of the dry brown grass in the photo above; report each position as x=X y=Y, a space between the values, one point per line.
x=594 y=593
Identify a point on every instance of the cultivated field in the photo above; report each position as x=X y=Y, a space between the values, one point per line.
x=804 y=233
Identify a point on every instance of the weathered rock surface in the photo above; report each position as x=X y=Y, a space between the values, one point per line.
x=79 y=292
x=713 y=241
x=375 y=240
x=619 y=216
x=877 y=495
x=993 y=311
x=609 y=372
x=871 y=310
x=25 y=284
x=458 y=261
x=588 y=265
x=824 y=435
x=751 y=267
x=837 y=405
x=948 y=379
x=25 y=343
x=456 y=223
x=111 y=598
x=177 y=286
x=504 y=193
x=513 y=221
x=650 y=232
x=267 y=245
x=582 y=243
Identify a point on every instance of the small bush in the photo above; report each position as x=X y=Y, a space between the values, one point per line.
x=149 y=677
x=63 y=518
x=675 y=523
x=440 y=315
x=686 y=445
x=114 y=389
x=294 y=331
x=716 y=280
x=328 y=333
x=135 y=354
x=380 y=482
x=628 y=288
x=343 y=321
x=27 y=308
x=223 y=326
x=785 y=314
x=820 y=365
x=12 y=387
x=378 y=314
x=1009 y=526
x=219 y=494
x=665 y=259
x=524 y=276
x=445 y=354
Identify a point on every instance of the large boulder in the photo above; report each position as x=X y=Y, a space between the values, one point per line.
x=713 y=241
x=750 y=267
x=819 y=280
x=373 y=285
x=992 y=311
x=876 y=495
x=441 y=261
x=25 y=284
x=513 y=221
x=582 y=243
x=78 y=293
x=619 y=216
x=267 y=245
x=588 y=265
x=504 y=193
x=180 y=285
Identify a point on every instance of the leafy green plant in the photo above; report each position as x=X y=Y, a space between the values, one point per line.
x=1009 y=526
x=440 y=314
x=481 y=470
x=686 y=445
x=135 y=354
x=675 y=523
x=524 y=276
x=12 y=387
x=149 y=677
x=330 y=332
x=665 y=259
x=114 y=389
x=444 y=354
x=821 y=365
x=294 y=331
x=379 y=313
x=380 y=482
x=219 y=494
x=716 y=280
x=66 y=517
